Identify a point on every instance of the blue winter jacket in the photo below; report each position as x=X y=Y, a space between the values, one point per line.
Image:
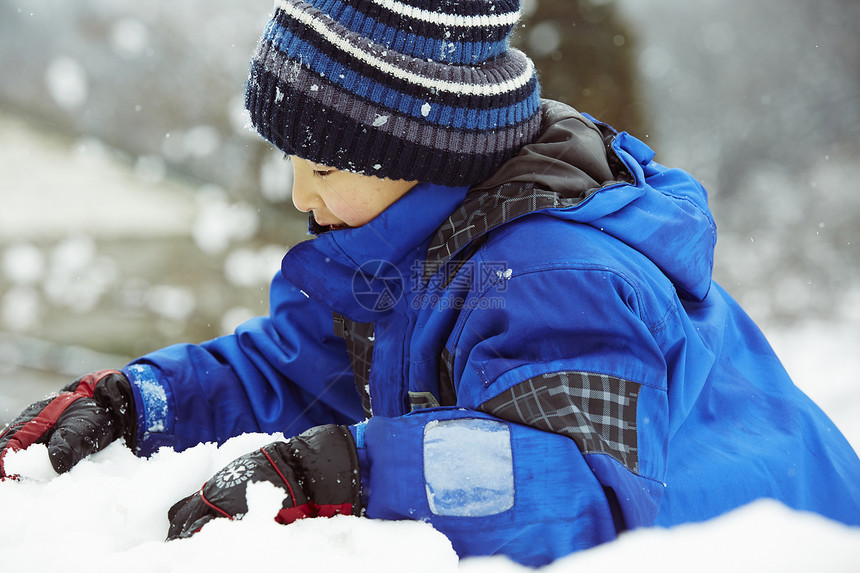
x=532 y=365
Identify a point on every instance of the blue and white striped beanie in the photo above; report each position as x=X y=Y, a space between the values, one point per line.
x=425 y=90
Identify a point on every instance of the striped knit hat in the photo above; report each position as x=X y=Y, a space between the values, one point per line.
x=425 y=90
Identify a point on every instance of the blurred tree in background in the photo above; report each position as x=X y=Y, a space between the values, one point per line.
x=586 y=56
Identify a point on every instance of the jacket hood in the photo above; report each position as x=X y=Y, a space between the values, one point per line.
x=582 y=170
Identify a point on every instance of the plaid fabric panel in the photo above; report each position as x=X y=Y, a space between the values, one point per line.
x=447 y=393
x=359 y=345
x=597 y=411
x=484 y=211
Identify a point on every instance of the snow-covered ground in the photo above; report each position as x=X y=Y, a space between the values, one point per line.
x=109 y=514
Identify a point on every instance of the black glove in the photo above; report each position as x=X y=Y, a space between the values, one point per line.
x=318 y=471
x=83 y=418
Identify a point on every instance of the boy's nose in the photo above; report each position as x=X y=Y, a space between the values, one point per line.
x=304 y=198
x=301 y=200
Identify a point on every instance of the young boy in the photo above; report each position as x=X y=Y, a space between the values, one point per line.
x=506 y=325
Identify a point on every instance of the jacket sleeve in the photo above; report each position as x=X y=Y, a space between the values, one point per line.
x=282 y=373
x=557 y=441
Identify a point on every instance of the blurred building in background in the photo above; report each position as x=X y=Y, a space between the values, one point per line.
x=139 y=210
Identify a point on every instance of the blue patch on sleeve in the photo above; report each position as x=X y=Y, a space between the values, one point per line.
x=468 y=467
x=358 y=434
x=153 y=397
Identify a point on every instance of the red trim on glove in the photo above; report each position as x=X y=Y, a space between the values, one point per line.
x=29 y=433
x=87 y=384
x=44 y=421
x=332 y=509
x=278 y=470
x=290 y=514
x=213 y=506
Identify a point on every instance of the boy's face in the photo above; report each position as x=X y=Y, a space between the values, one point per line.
x=341 y=199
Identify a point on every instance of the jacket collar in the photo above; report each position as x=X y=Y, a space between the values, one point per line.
x=343 y=269
x=563 y=167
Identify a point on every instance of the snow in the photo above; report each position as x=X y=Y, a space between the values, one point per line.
x=67 y=82
x=154 y=398
x=172 y=302
x=22 y=263
x=20 y=309
x=150 y=169
x=78 y=277
x=544 y=38
x=88 y=170
x=109 y=512
x=276 y=177
x=233 y=317
x=129 y=37
x=220 y=221
x=201 y=140
x=248 y=267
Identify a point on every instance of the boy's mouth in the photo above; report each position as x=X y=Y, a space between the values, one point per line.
x=315 y=228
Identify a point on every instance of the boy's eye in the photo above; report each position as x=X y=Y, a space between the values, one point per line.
x=320 y=170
